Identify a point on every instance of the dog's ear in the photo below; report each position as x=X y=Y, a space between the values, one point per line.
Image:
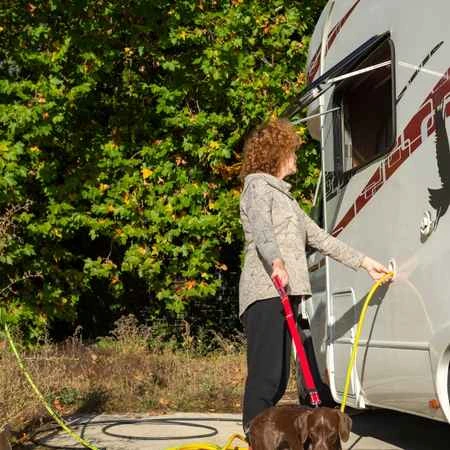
x=301 y=424
x=5 y=435
x=345 y=426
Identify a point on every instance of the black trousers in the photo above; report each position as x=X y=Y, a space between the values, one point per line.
x=268 y=355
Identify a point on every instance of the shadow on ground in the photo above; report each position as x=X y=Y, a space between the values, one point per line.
x=404 y=431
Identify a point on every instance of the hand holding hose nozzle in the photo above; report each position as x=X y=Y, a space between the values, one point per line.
x=375 y=269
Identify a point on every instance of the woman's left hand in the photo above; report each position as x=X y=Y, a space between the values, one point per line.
x=375 y=269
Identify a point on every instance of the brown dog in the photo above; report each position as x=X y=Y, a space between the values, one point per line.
x=4 y=438
x=297 y=428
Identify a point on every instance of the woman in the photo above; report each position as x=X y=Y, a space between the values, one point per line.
x=276 y=233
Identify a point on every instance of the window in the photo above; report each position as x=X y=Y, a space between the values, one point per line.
x=365 y=125
x=317 y=209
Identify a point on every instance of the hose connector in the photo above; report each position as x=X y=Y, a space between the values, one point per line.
x=392 y=266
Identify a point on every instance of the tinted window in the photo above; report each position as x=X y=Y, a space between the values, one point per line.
x=366 y=123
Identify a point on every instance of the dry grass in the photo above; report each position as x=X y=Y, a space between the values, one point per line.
x=130 y=371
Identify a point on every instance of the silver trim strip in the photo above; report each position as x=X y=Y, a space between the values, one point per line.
x=423 y=346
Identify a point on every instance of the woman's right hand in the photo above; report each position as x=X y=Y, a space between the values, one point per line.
x=375 y=269
x=280 y=270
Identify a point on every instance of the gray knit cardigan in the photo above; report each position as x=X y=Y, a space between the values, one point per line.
x=276 y=227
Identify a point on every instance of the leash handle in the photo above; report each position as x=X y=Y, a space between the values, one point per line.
x=303 y=362
x=279 y=286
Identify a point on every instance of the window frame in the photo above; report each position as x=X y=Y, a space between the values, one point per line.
x=338 y=116
x=319 y=86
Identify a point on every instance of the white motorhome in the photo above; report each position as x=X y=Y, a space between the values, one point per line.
x=378 y=101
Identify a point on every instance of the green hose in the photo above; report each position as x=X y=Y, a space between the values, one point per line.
x=27 y=375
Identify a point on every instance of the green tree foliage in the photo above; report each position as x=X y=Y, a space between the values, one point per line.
x=122 y=122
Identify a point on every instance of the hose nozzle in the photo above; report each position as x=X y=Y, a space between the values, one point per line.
x=392 y=266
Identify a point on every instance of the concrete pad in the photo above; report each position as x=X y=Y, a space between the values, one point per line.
x=138 y=432
x=372 y=430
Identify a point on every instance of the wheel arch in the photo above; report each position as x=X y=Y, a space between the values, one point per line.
x=440 y=363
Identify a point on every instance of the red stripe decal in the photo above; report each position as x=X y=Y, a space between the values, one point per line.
x=338 y=27
x=418 y=129
x=315 y=62
x=314 y=66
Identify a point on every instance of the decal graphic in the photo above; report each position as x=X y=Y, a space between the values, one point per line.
x=315 y=61
x=335 y=182
x=414 y=75
x=440 y=198
x=417 y=130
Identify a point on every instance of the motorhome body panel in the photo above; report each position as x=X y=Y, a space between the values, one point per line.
x=379 y=208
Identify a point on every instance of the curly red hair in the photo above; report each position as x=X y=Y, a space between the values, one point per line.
x=268 y=146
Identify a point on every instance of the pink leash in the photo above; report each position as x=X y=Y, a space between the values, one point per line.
x=303 y=362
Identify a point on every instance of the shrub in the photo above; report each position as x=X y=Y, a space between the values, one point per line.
x=121 y=123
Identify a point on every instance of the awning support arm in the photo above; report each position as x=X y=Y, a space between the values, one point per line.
x=359 y=72
x=305 y=119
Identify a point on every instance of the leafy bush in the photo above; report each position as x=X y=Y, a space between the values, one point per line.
x=122 y=123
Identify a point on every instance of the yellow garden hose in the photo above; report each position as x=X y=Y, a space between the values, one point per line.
x=206 y=446
x=52 y=413
x=358 y=335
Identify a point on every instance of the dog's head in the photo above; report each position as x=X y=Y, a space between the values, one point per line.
x=323 y=428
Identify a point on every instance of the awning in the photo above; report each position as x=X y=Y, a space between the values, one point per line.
x=337 y=73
